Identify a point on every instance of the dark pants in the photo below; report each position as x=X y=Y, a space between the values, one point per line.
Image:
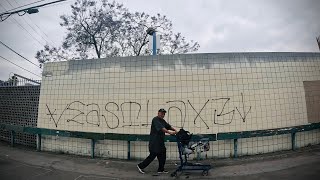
x=161 y=158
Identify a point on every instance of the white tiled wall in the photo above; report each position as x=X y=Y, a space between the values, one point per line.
x=66 y=145
x=204 y=93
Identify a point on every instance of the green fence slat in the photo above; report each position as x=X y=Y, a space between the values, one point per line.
x=144 y=137
x=267 y=132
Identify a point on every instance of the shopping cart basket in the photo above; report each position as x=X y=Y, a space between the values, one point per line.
x=186 y=148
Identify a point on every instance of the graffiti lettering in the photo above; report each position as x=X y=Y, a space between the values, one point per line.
x=146 y=124
x=244 y=116
x=71 y=109
x=130 y=112
x=175 y=107
x=96 y=111
x=183 y=119
x=51 y=115
x=118 y=121
x=215 y=117
x=198 y=113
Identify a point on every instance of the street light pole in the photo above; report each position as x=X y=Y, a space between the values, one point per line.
x=154 y=44
x=152 y=32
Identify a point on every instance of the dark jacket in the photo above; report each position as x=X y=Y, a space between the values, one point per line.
x=156 y=141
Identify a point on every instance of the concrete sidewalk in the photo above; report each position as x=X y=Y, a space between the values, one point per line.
x=24 y=163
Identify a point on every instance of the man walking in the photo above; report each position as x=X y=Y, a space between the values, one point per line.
x=156 y=142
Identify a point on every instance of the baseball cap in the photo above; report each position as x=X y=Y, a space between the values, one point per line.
x=162 y=110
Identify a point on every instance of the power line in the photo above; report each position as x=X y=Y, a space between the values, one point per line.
x=30 y=10
x=19 y=66
x=42 y=31
x=22 y=6
x=31 y=26
x=4 y=10
x=18 y=53
x=28 y=32
x=25 y=29
x=52 y=5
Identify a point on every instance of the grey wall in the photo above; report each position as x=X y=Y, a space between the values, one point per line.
x=19 y=106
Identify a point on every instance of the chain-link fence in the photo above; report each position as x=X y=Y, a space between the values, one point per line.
x=17 y=80
x=202 y=93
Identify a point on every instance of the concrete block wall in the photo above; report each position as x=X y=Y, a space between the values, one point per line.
x=203 y=93
x=19 y=106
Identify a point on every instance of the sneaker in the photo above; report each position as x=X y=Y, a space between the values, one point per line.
x=140 y=170
x=163 y=172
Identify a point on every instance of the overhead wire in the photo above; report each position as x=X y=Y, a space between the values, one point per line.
x=21 y=6
x=43 y=32
x=61 y=3
x=23 y=28
x=19 y=66
x=30 y=25
x=18 y=54
x=27 y=23
x=47 y=39
x=35 y=7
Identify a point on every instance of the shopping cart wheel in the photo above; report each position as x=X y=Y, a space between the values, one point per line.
x=205 y=173
x=174 y=174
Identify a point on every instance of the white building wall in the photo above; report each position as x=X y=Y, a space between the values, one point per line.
x=203 y=93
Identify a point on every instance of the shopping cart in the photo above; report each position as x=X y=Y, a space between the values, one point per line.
x=186 y=147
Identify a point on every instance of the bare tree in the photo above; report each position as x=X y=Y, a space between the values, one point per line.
x=105 y=29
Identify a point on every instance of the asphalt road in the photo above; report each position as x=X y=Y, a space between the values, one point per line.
x=17 y=163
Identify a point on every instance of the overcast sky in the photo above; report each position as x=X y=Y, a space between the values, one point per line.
x=218 y=26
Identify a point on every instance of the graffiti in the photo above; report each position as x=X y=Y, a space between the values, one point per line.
x=215 y=117
x=213 y=111
x=118 y=121
x=77 y=110
x=97 y=115
x=130 y=111
x=52 y=114
x=147 y=122
x=175 y=107
x=183 y=119
x=198 y=113
x=244 y=113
